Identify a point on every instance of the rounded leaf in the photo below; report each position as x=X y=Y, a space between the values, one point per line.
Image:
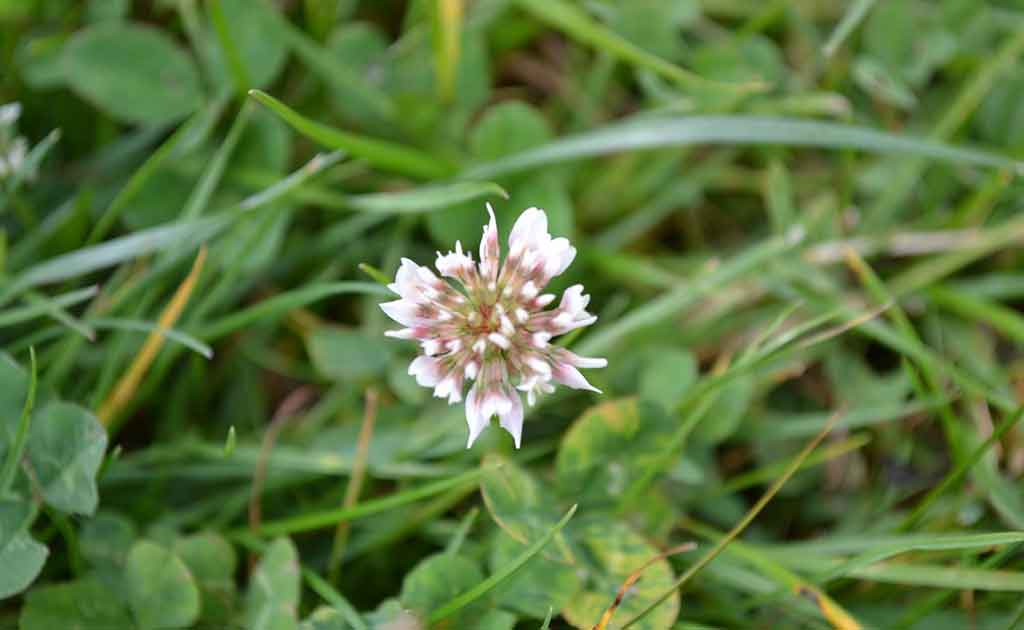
x=133 y=73
x=160 y=589
x=615 y=551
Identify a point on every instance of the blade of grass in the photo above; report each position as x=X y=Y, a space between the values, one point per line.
x=448 y=18
x=656 y=132
x=677 y=300
x=1006 y=320
x=854 y=15
x=424 y=198
x=187 y=134
x=17 y=449
x=829 y=608
x=464 y=599
x=327 y=518
x=283 y=303
x=125 y=388
x=747 y=519
x=239 y=74
x=379 y=153
x=901 y=183
x=355 y=482
x=955 y=475
x=13 y=316
x=571 y=19
x=120 y=323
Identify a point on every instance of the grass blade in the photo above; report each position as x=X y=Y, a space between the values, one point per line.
x=747 y=519
x=653 y=133
x=10 y=468
x=507 y=571
x=380 y=153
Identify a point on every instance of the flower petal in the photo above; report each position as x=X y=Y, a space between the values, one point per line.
x=571 y=377
x=512 y=419
x=474 y=415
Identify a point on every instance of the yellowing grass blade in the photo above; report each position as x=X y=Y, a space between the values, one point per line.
x=129 y=383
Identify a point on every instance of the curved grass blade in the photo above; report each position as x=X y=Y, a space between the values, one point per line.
x=507 y=571
x=851 y=19
x=46 y=306
x=116 y=323
x=283 y=303
x=328 y=518
x=380 y=153
x=578 y=25
x=10 y=468
x=747 y=519
x=425 y=198
x=653 y=133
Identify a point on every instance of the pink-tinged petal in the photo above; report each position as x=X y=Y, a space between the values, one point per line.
x=405 y=333
x=529 y=232
x=474 y=415
x=490 y=250
x=571 y=377
x=402 y=311
x=426 y=370
x=455 y=264
x=558 y=255
x=512 y=419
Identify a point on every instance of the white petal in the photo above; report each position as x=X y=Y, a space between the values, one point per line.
x=474 y=415
x=426 y=370
x=499 y=340
x=405 y=333
x=489 y=249
x=571 y=377
x=530 y=230
x=512 y=419
x=402 y=311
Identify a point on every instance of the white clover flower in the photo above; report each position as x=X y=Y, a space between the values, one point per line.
x=488 y=324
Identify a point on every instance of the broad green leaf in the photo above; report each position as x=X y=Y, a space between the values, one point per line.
x=541 y=584
x=727 y=412
x=342 y=355
x=86 y=604
x=132 y=72
x=518 y=503
x=660 y=132
x=160 y=590
x=436 y=580
x=65 y=448
x=258 y=36
x=213 y=562
x=614 y=551
x=21 y=556
x=609 y=447
x=274 y=589
x=106 y=539
x=667 y=376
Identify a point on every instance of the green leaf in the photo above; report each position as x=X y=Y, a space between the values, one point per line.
x=436 y=580
x=609 y=447
x=133 y=73
x=324 y=618
x=344 y=355
x=614 y=552
x=65 y=448
x=21 y=556
x=727 y=412
x=542 y=583
x=667 y=377
x=160 y=590
x=658 y=132
x=517 y=502
x=87 y=604
x=212 y=561
x=106 y=539
x=256 y=31
x=274 y=590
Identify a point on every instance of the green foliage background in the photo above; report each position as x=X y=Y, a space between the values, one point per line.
x=792 y=216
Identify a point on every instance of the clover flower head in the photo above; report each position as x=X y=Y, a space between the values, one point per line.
x=487 y=322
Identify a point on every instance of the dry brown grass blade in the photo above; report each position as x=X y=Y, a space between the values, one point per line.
x=839 y=618
x=129 y=382
x=634 y=577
